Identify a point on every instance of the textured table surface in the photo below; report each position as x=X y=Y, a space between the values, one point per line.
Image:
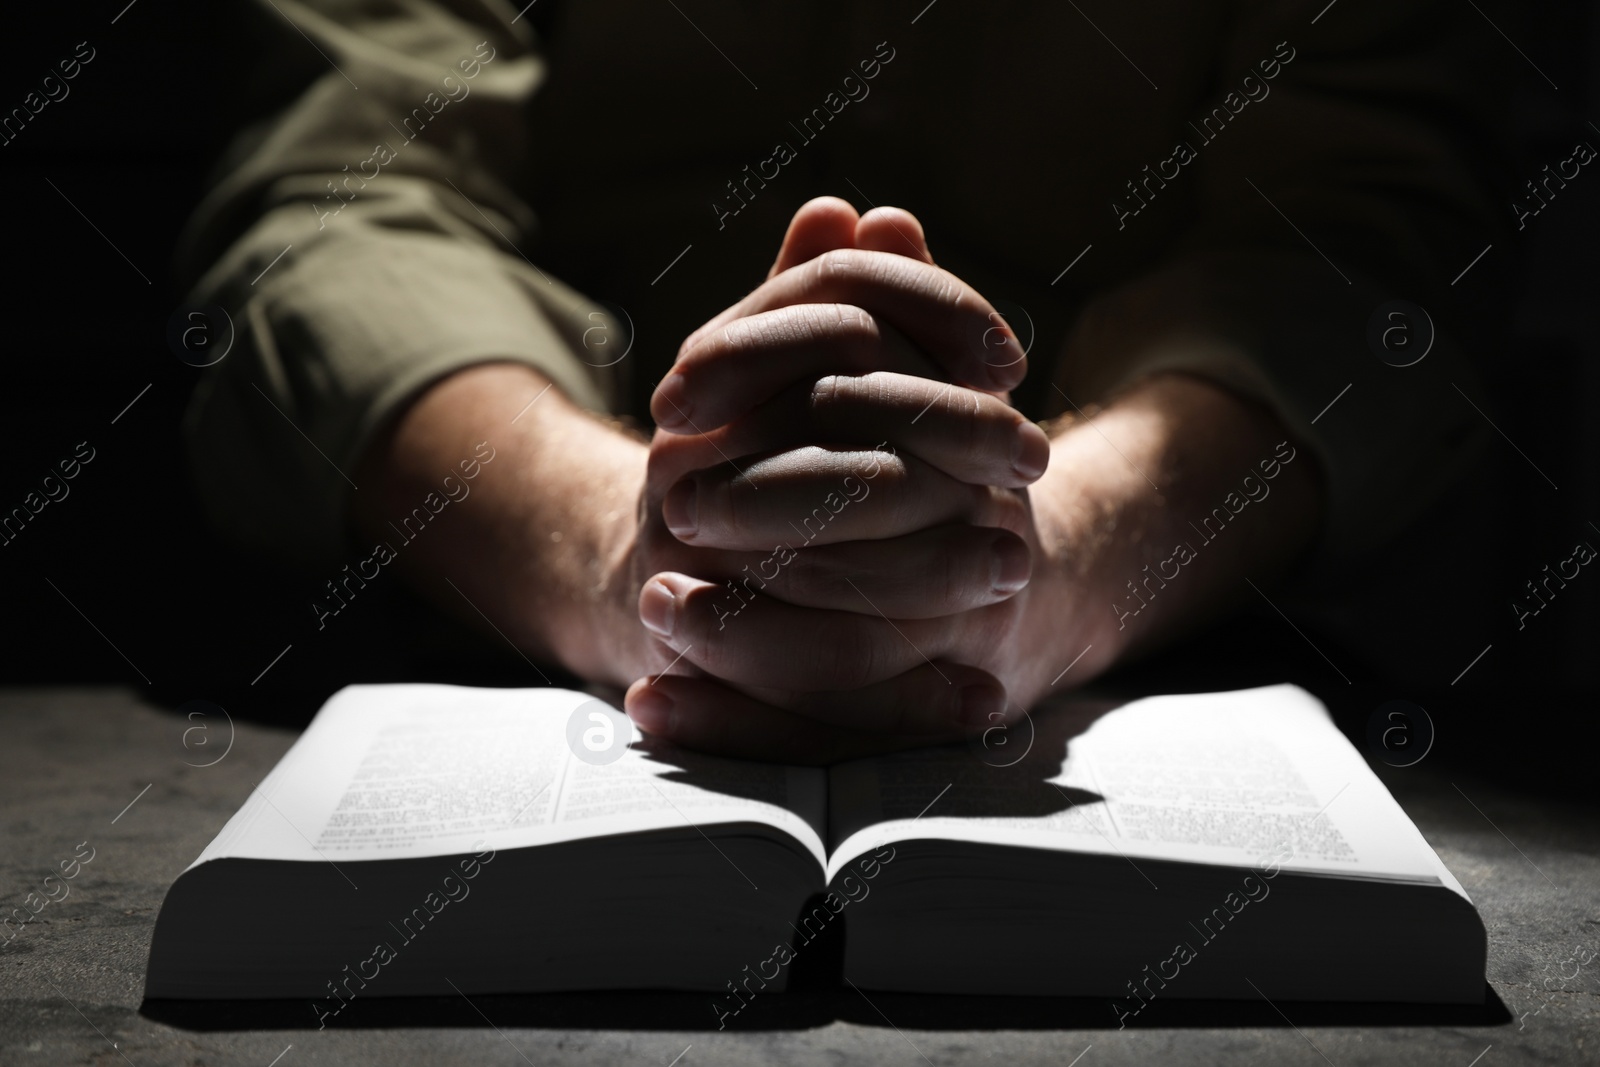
x=103 y=767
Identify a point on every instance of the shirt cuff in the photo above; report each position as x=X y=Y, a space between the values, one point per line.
x=333 y=344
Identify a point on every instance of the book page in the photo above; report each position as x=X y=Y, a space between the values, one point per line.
x=397 y=771
x=1240 y=779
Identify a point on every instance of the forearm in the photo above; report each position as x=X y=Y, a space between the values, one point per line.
x=1165 y=503
x=533 y=544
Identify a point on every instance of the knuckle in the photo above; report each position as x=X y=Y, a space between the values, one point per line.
x=740 y=337
x=971 y=428
x=955 y=569
x=851 y=328
x=846 y=270
x=833 y=397
x=908 y=496
x=848 y=331
x=943 y=288
x=835 y=266
x=726 y=507
x=985 y=435
x=827 y=394
x=705 y=629
x=708 y=350
x=820 y=272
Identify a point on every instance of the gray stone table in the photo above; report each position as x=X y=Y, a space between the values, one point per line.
x=102 y=767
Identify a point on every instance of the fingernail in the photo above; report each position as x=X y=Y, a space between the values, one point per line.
x=982 y=705
x=1007 y=363
x=652 y=710
x=679 y=509
x=658 y=608
x=674 y=409
x=1010 y=565
x=1030 y=454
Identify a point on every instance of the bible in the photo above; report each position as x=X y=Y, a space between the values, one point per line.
x=431 y=839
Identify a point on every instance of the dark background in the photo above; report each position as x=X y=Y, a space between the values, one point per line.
x=85 y=331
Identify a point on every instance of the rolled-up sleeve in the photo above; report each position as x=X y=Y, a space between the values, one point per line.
x=1366 y=174
x=364 y=242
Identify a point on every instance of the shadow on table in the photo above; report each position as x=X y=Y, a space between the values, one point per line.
x=807 y=1009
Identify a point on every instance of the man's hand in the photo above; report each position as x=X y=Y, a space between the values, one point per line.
x=793 y=385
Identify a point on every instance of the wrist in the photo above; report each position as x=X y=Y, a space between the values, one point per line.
x=527 y=554
x=1161 y=506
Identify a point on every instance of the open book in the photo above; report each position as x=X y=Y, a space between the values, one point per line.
x=429 y=839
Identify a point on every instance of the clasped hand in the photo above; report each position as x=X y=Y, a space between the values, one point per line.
x=836 y=544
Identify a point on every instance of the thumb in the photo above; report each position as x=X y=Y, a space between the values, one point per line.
x=892 y=229
x=821 y=225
